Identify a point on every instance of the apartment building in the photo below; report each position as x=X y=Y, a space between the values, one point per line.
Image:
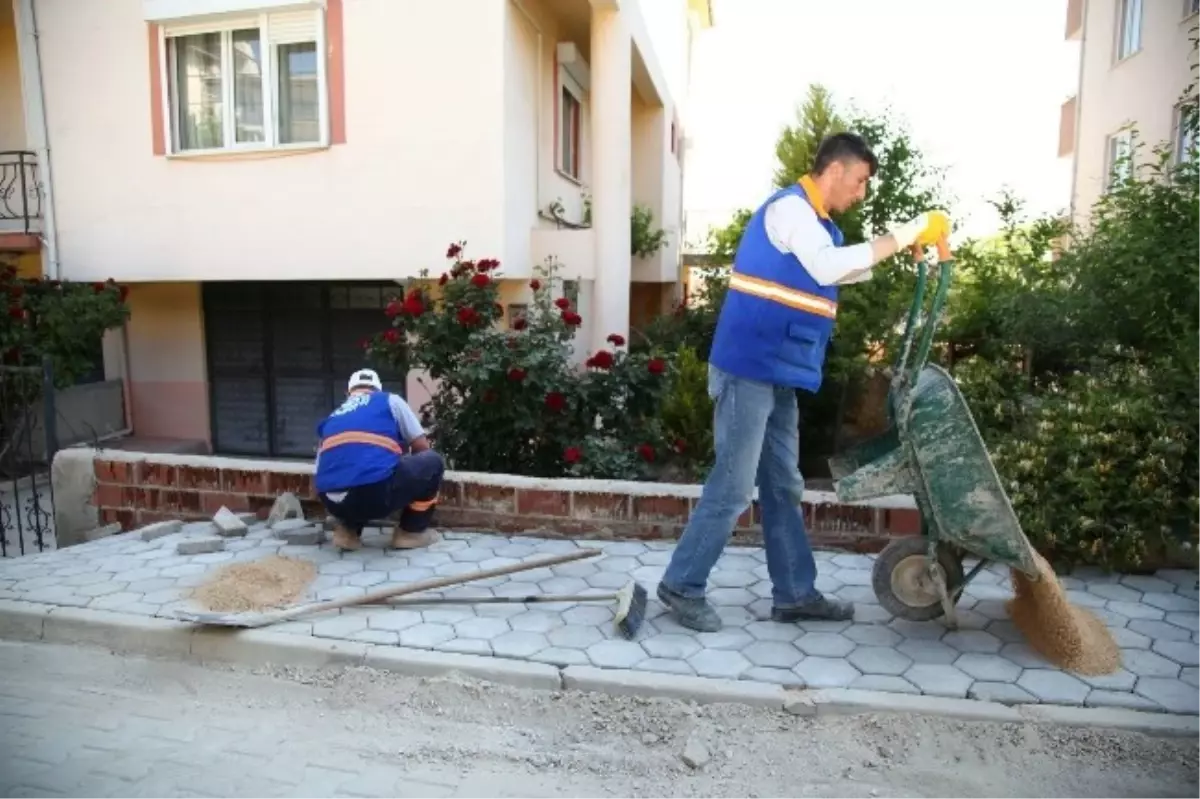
x=1137 y=57
x=260 y=173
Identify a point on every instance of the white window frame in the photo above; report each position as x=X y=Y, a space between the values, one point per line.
x=1190 y=8
x=1181 y=146
x=1129 y=11
x=567 y=84
x=1111 y=156
x=270 y=68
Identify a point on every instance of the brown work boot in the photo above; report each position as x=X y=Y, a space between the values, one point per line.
x=345 y=540
x=403 y=540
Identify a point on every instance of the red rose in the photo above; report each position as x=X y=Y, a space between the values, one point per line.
x=680 y=446
x=393 y=308
x=617 y=340
x=646 y=452
x=519 y=323
x=563 y=303
x=601 y=360
x=555 y=401
x=488 y=264
x=444 y=279
x=392 y=335
x=572 y=319
x=572 y=455
x=535 y=284
x=466 y=316
x=480 y=280
x=453 y=250
x=657 y=366
x=516 y=374
x=413 y=306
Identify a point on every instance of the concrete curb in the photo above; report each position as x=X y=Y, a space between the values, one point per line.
x=147 y=635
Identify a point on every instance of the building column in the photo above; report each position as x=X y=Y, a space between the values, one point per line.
x=611 y=96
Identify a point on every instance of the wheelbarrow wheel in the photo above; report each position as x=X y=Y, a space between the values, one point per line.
x=902 y=582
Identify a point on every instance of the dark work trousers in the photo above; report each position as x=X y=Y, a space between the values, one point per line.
x=411 y=489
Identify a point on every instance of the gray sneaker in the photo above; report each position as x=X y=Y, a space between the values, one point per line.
x=695 y=614
x=819 y=608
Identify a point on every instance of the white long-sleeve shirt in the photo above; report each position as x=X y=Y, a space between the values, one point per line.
x=792 y=226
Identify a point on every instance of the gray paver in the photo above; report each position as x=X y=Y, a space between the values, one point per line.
x=587 y=615
x=394 y=620
x=1183 y=653
x=1129 y=639
x=1003 y=692
x=989 y=668
x=1191 y=676
x=519 y=643
x=719 y=663
x=560 y=656
x=425 y=635
x=536 y=621
x=932 y=652
x=198 y=546
x=1120 y=680
x=1188 y=621
x=1172 y=602
x=1148 y=664
x=616 y=654
x=574 y=637
x=978 y=641
x=727 y=638
x=1115 y=591
x=825 y=644
x=450 y=614
x=939 y=680
x=674 y=646
x=773 y=631
x=883 y=682
x=1174 y=695
x=1054 y=687
x=483 y=629
x=918 y=630
x=879 y=660
x=732 y=579
x=775 y=654
x=1147 y=584
x=1135 y=610
x=666 y=666
x=1024 y=656
x=823 y=672
x=1160 y=630
x=1120 y=699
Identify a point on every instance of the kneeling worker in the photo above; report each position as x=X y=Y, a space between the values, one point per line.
x=373 y=460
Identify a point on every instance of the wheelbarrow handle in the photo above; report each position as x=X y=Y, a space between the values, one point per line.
x=904 y=370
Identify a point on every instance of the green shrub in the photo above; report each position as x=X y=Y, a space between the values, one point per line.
x=687 y=415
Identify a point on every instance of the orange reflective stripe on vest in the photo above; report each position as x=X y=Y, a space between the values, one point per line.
x=784 y=295
x=351 y=437
x=423 y=505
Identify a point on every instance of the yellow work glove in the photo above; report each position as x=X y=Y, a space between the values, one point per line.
x=925 y=229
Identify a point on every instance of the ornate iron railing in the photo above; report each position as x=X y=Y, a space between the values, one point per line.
x=28 y=440
x=20 y=192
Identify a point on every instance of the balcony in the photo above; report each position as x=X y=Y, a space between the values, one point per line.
x=1074 y=20
x=20 y=202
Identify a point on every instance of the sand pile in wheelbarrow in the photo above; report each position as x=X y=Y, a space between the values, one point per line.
x=1068 y=636
x=272 y=582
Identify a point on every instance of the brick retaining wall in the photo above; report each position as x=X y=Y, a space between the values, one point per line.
x=139 y=488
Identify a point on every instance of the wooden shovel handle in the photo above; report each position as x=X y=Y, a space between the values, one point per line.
x=432 y=584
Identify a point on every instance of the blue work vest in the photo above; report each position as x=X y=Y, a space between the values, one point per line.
x=360 y=443
x=776 y=321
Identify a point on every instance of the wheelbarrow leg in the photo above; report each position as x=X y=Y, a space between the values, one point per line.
x=939 y=581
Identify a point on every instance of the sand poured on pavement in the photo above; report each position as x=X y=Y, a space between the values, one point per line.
x=272 y=582
x=1068 y=636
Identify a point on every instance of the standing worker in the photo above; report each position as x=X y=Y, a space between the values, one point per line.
x=774 y=327
x=373 y=460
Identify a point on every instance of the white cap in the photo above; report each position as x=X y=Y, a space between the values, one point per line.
x=365 y=377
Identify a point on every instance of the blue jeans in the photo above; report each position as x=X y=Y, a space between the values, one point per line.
x=757 y=441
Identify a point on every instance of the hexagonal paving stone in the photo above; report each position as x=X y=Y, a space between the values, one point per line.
x=574 y=637
x=620 y=565
x=481 y=629
x=588 y=614
x=1147 y=584
x=737 y=563
x=989 y=592
x=989 y=668
x=580 y=568
x=1085 y=599
x=776 y=654
x=826 y=583
x=536 y=621
x=648 y=575
x=1024 y=656
x=991 y=609
x=1188 y=621
x=1054 y=687
x=918 y=630
x=825 y=626
x=616 y=654
x=883 y=682
x=340 y=567
x=519 y=644
x=448 y=614
x=853 y=576
x=871 y=614
x=879 y=660
x=931 y=652
x=1191 y=676
x=671 y=646
x=1128 y=639
x=833 y=645
x=732 y=579
x=426 y=636
x=339 y=626
x=725 y=638
x=1120 y=699
x=858 y=594
x=1006 y=631
x=873 y=635
x=607 y=580
x=655 y=558
x=629 y=549
x=848 y=561
x=773 y=631
x=939 y=680
x=1120 y=680
x=394 y=619
x=666 y=666
x=1135 y=610
x=409 y=574
x=1120 y=593
x=1003 y=692
x=823 y=672
x=734 y=597
x=1149 y=664
x=973 y=641
x=1174 y=695
x=563 y=585
x=719 y=663
x=366 y=579
x=473 y=555
x=1160 y=630
x=1183 y=653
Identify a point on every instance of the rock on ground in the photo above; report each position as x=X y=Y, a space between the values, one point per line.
x=286 y=506
x=86 y=722
x=200 y=546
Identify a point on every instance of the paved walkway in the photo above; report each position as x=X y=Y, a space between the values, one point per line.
x=1155 y=619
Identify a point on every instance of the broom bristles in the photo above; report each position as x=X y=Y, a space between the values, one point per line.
x=1070 y=637
x=631 y=610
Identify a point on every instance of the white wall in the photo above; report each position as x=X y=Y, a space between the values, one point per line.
x=423 y=164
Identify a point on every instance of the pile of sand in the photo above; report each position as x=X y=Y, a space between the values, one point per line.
x=1068 y=636
x=272 y=582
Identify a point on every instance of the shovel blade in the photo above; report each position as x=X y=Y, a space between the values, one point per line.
x=243 y=620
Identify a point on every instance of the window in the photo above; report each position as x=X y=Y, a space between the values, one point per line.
x=1129 y=28
x=1190 y=7
x=1185 y=131
x=570 y=111
x=250 y=83
x=1118 y=158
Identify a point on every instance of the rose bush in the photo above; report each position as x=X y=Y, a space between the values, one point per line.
x=512 y=400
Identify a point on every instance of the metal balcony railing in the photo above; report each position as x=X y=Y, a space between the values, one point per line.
x=20 y=193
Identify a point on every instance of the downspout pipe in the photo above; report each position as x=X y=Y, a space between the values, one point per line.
x=36 y=134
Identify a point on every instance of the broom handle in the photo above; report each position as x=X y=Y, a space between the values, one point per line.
x=432 y=583
x=491 y=600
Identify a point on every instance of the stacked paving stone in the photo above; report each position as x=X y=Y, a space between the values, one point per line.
x=1154 y=618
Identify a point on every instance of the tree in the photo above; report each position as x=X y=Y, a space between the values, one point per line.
x=797 y=144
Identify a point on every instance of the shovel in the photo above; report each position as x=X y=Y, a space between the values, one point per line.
x=251 y=620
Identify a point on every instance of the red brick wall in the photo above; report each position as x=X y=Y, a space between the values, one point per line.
x=139 y=492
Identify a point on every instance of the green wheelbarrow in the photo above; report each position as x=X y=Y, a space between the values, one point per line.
x=932 y=450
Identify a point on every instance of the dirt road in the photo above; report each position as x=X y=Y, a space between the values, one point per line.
x=75 y=721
